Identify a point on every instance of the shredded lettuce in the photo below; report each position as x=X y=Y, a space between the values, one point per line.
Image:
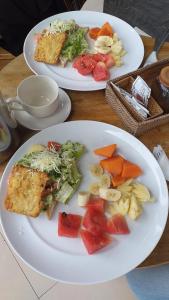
x=61 y=26
x=75 y=45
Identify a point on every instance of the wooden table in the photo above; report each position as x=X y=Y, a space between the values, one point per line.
x=92 y=106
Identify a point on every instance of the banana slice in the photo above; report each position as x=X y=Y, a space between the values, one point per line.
x=124 y=188
x=141 y=192
x=103 y=44
x=96 y=170
x=36 y=148
x=127 y=182
x=83 y=198
x=119 y=207
x=135 y=209
x=109 y=194
x=112 y=209
x=116 y=48
x=124 y=205
x=94 y=188
x=105 y=181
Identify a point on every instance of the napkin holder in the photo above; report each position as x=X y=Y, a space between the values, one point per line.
x=133 y=122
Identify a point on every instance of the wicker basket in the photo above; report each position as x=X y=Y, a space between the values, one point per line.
x=133 y=122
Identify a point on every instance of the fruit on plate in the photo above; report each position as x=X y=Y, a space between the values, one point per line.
x=117 y=225
x=105 y=181
x=130 y=170
x=96 y=170
x=105 y=30
x=85 y=64
x=93 y=242
x=69 y=225
x=106 y=151
x=103 y=44
x=95 y=64
x=135 y=209
x=94 y=220
x=109 y=194
x=101 y=72
x=114 y=164
x=96 y=203
x=94 y=188
x=93 y=32
x=83 y=198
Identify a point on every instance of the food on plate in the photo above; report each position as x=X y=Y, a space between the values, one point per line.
x=110 y=45
x=36 y=148
x=61 y=42
x=117 y=184
x=96 y=203
x=141 y=192
x=61 y=26
x=69 y=225
x=114 y=164
x=96 y=170
x=56 y=166
x=135 y=209
x=109 y=194
x=105 y=181
x=117 y=180
x=96 y=64
x=117 y=225
x=25 y=189
x=94 y=242
x=94 y=188
x=64 y=41
x=74 y=46
x=96 y=226
x=49 y=47
x=93 y=32
x=83 y=198
x=101 y=72
x=106 y=151
x=105 y=30
x=130 y=170
x=94 y=220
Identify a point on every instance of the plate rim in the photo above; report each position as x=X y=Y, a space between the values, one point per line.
x=151 y=248
x=101 y=85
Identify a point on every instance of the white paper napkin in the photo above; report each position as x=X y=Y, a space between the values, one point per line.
x=162 y=159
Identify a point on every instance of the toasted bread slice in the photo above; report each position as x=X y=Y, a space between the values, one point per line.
x=25 y=188
x=49 y=47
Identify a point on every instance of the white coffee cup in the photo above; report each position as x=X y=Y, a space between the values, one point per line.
x=38 y=95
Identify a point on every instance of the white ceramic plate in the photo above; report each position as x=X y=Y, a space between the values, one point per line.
x=66 y=259
x=59 y=116
x=68 y=77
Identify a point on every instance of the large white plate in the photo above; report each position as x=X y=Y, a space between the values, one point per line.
x=66 y=259
x=68 y=77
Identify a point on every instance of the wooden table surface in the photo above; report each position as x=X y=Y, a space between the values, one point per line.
x=93 y=106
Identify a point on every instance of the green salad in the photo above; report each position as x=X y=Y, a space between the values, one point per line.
x=75 y=45
x=60 y=163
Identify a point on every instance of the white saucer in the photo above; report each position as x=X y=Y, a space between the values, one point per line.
x=60 y=115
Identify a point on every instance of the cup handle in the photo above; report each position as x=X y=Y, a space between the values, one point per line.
x=12 y=100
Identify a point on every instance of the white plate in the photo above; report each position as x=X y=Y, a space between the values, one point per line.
x=59 y=116
x=68 y=77
x=66 y=259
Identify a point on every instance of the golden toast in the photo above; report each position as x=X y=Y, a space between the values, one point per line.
x=49 y=47
x=24 y=194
